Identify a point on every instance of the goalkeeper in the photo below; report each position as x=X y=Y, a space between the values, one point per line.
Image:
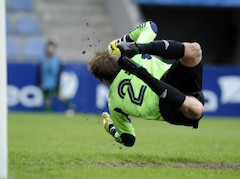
x=142 y=85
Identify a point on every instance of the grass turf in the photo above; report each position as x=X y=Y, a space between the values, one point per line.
x=54 y=146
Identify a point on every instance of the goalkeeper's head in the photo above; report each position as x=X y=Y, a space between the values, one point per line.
x=103 y=67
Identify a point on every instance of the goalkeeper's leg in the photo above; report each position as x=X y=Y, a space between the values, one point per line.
x=189 y=106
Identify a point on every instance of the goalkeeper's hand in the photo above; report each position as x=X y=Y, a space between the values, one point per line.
x=113 y=50
x=107 y=122
x=119 y=49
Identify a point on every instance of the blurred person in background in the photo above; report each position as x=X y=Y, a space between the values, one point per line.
x=50 y=69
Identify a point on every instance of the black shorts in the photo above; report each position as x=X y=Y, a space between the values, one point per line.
x=188 y=81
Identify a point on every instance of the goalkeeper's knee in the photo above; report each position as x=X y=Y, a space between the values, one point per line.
x=128 y=140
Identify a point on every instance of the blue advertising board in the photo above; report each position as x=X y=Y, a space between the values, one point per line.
x=222 y=90
x=221 y=86
x=25 y=94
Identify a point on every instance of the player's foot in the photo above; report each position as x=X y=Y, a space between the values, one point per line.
x=107 y=122
x=70 y=113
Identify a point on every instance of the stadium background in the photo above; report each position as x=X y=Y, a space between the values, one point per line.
x=51 y=145
x=81 y=27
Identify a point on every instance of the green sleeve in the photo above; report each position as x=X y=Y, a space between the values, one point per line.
x=122 y=124
x=144 y=33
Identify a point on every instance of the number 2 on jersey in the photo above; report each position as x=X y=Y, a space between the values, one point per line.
x=136 y=100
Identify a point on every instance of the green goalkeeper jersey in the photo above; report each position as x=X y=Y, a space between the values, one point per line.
x=129 y=95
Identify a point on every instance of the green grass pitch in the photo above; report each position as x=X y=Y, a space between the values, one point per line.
x=54 y=146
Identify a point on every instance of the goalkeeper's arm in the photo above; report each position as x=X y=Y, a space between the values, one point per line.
x=122 y=129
